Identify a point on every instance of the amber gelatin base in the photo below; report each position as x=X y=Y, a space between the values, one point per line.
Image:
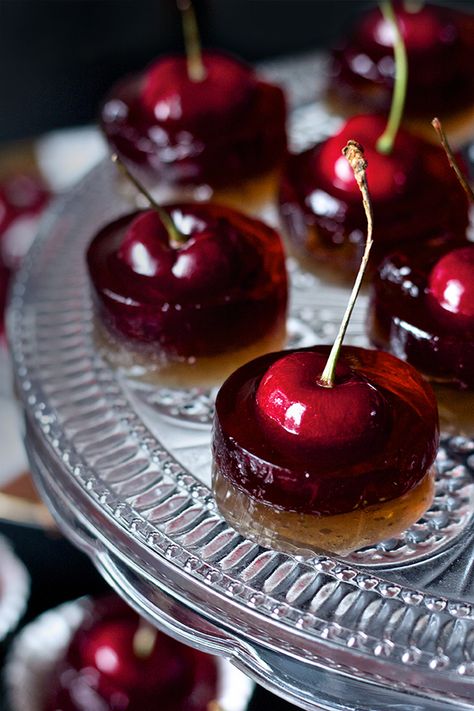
x=149 y=365
x=305 y=534
x=456 y=410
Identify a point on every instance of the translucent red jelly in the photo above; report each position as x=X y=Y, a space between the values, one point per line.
x=224 y=288
x=221 y=131
x=255 y=459
x=414 y=197
x=407 y=318
x=440 y=49
x=101 y=670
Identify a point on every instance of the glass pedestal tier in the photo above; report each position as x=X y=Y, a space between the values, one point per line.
x=125 y=469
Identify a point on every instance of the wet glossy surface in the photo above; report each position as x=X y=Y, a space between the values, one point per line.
x=407 y=319
x=101 y=670
x=440 y=48
x=224 y=130
x=246 y=456
x=414 y=196
x=224 y=288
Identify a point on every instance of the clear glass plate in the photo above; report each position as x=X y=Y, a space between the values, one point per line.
x=129 y=484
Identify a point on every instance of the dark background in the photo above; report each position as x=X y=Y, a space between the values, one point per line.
x=58 y=57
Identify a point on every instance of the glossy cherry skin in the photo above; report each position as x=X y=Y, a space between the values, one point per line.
x=301 y=416
x=184 y=132
x=176 y=100
x=328 y=475
x=451 y=281
x=408 y=314
x=440 y=49
x=101 y=669
x=224 y=288
x=414 y=197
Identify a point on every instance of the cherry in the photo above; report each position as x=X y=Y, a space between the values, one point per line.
x=390 y=175
x=216 y=285
x=303 y=418
x=421 y=30
x=22 y=199
x=211 y=258
x=175 y=99
x=104 y=667
x=451 y=281
x=109 y=648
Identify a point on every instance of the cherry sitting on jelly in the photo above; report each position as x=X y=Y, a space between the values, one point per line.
x=414 y=197
x=227 y=128
x=215 y=284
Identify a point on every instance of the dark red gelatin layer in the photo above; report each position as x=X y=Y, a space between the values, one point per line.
x=227 y=129
x=440 y=49
x=406 y=319
x=246 y=456
x=102 y=671
x=224 y=289
x=414 y=196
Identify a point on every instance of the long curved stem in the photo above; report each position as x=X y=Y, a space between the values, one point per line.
x=354 y=154
x=173 y=233
x=387 y=139
x=192 y=41
x=436 y=123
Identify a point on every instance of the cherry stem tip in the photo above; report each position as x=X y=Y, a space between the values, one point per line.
x=354 y=153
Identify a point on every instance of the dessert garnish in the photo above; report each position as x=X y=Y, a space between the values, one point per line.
x=413 y=197
x=119 y=662
x=189 y=115
x=190 y=284
x=422 y=305
x=440 y=51
x=325 y=448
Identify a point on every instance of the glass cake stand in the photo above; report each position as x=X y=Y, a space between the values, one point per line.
x=125 y=469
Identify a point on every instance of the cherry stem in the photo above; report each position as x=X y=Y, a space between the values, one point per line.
x=387 y=139
x=173 y=233
x=192 y=41
x=354 y=153
x=436 y=123
x=144 y=639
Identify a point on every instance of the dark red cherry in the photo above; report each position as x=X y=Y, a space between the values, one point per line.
x=389 y=174
x=173 y=97
x=145 y=248
x=303 y=418
x=211 y=257
x=109 y=649
x=421 y=30
x=451 y=281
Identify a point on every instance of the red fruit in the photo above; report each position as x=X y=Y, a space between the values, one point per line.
x=451 y=281
x=176 y=100
x=304 y=418
x=223 y=288
x=389 y=175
